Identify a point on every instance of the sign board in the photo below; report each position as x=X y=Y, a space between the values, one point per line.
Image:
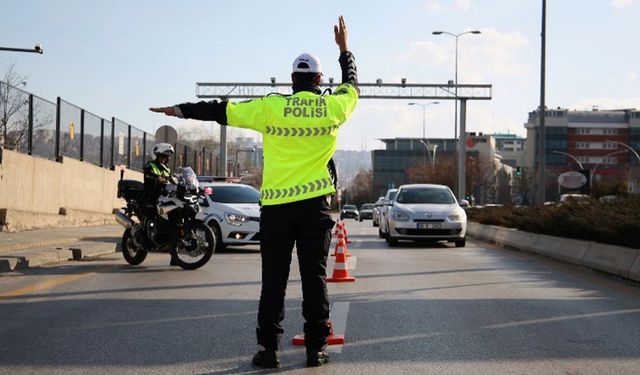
x=120 y=143
x=572 y=180
x=166 y=134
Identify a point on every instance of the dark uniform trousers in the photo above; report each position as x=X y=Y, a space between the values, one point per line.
x=307 y=225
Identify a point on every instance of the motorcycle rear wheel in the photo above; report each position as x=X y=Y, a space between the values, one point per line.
x=205 y=238
x=132 y=254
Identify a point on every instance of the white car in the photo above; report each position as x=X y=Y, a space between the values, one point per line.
x=233 y=212
x=426 y=212
x=383 y=227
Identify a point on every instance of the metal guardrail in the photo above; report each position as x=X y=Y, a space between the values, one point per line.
x=39 y=127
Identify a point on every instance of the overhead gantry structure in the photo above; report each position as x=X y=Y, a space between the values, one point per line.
x=377 y=90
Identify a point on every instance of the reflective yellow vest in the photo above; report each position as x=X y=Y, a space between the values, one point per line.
x=299 y=133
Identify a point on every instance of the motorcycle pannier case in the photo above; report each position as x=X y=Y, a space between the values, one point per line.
x=130 y=189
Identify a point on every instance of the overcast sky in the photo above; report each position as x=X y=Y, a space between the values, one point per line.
x=117 y=58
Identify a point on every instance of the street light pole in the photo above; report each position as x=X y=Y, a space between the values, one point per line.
x=571 y=156
x=36 y=49
x=595 y=168
x=424 y=112
x=462 y=136
x=630 y=149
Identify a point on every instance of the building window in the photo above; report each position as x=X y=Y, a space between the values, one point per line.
x=610 y=146
x=583 y=159
x=582 y=145
x=610 y=160
x=610 y=131
x=583 y=130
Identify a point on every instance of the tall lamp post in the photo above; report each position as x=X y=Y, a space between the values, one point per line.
x=595 y=168
x=456 y=36
x=571 y=156
x=628 y=148
x=461 y=141
x=424 y=107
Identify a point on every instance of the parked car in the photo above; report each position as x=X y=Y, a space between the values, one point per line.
x=376 y=212
x=349 y=211
x=384 y=210
x=366 y=211
x=426 y=212
x=232 y=211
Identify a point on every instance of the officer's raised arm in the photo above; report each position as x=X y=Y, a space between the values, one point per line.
x=347 y=60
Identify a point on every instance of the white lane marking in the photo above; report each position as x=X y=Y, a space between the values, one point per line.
x=339 y=315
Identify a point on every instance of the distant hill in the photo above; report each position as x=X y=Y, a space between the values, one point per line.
x=349 y=163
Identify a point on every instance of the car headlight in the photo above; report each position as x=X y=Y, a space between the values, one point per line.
x=456 y=216
x=399 y=216
x=235 y=219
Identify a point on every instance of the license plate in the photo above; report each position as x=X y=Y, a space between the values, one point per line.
x=429 y=225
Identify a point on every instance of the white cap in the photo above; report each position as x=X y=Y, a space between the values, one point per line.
x=307 y=63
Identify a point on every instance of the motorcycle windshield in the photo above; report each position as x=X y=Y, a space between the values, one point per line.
x=190 y=179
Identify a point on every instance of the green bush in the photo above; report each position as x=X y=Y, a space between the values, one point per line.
x=616 y=222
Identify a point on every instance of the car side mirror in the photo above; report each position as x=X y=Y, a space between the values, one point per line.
x=464 y=203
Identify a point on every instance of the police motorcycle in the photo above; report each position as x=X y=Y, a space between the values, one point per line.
x=174 y=229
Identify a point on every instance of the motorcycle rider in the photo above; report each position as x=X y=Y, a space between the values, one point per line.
x=156 y=176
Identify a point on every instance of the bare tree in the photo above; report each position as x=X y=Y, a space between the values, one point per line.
x=14 y=119
x=361 y=189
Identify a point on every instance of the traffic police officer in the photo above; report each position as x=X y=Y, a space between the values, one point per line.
x=299 y=133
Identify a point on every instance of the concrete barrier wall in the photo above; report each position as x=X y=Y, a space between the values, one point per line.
x=617 y=260
x=37 y=193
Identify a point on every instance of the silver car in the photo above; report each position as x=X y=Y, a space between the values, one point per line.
x=232 y=211
x=426 y=212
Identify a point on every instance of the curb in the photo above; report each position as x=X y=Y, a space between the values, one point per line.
x=616 y=260
x=35 y=257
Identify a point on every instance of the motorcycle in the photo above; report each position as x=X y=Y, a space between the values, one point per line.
x=173 y=229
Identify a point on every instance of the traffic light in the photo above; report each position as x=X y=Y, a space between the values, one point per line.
x=518 y=172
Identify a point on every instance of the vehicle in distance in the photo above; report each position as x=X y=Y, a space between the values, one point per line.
x=349 y=211
x=384 y=211
x=233 y=212
x=376 y=211
x=426 y=212
x=366 y=211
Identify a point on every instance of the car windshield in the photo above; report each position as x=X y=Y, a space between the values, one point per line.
x=234 y=194
x=349 y=207
x=367 y=206
x=425 y=195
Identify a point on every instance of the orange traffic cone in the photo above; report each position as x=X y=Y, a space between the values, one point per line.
x=338 y=228
x=332 y=339
x=344 y=230
x=340 y=271
x=341 y=243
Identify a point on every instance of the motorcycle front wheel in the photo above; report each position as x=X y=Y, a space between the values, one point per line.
x=133 y=254
x=196 y=248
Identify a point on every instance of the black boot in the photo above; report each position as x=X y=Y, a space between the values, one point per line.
x=266 y=359
x=316 y=358
x=173 y=262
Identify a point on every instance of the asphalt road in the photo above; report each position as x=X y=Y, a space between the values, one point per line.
x=414 y=309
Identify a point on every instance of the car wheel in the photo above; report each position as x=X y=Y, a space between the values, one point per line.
x=217 y=233
x=380 y=234
x=391 y=241
x=360 y=220
x=461 y=243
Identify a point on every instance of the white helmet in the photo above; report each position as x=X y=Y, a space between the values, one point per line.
x=163 y=149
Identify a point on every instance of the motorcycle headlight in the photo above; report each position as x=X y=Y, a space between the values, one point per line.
x=399 y=216
x=456 y=217
x=235 y=219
